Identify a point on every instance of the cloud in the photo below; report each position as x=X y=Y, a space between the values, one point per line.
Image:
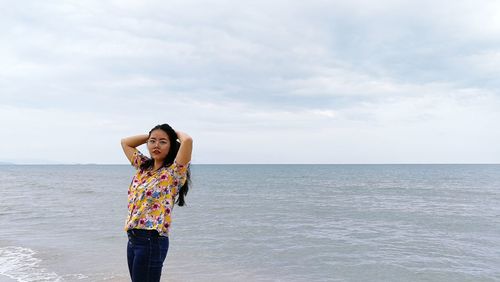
x=256 y=81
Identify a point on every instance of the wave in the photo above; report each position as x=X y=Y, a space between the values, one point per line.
x=21 y=265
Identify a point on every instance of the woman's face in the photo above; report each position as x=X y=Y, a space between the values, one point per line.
x=158 y=145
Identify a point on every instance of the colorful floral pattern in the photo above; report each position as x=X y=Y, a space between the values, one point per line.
x=151 y=195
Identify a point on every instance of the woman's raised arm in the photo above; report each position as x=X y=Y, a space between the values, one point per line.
x=129 y=144
x=184 y=155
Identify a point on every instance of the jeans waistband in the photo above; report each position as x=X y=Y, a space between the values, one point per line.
x=143 y=233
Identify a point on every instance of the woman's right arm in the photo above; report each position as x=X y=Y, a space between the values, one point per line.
x=129 y=144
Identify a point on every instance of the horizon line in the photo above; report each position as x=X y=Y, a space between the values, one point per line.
x=116 y=164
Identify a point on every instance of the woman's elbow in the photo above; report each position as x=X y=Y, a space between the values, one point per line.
x=123 y=142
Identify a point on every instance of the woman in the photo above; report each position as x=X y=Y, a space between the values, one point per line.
x=159 y=182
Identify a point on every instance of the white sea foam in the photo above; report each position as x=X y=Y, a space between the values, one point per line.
x=21 y=264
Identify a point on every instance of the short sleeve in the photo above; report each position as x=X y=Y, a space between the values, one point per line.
x=137 y=159
x=179 y=173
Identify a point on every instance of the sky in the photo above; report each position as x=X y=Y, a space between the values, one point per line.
x=334 y=82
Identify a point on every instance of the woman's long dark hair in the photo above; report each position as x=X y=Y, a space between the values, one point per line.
x=170 y=158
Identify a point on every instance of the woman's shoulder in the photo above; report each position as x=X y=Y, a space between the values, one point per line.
x=176 y=168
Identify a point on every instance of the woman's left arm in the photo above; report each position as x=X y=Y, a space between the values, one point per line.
x=184 y=155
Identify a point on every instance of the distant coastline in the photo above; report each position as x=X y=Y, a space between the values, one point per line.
x=246 y=164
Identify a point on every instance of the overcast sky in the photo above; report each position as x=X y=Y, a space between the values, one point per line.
x=252 y=81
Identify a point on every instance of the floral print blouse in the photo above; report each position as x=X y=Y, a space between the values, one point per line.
x=151 y=195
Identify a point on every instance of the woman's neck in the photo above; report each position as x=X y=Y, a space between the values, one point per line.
x=157 y=165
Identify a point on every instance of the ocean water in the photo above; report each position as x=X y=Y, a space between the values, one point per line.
x=261 y=223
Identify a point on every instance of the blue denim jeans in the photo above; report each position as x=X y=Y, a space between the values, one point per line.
x=146 y=252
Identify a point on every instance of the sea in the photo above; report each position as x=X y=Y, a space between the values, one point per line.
x=260 y=223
